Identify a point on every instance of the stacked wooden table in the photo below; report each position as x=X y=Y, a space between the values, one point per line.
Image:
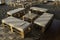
x=30 y=17
x=19 y=12
x=18 y=24
x=43 y=20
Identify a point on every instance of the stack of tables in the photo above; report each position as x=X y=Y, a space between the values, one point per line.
x=43 y=20
x=30 y=17
x=23 y=26
x=19 y=12
x=20 y=25
x=23 y=3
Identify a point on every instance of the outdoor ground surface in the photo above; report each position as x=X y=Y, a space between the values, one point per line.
x=53 y=33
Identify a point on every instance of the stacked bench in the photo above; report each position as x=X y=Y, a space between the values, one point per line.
x=23 y=26
x=20 y=25
x=30 y=17
x=44 y=20
x=19 y=12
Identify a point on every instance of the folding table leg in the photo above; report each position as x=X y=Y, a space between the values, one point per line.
x=11 y=29
x=22 y=34
x=23 y=17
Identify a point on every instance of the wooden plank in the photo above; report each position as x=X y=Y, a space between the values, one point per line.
x=15 y=11
x=39 y=9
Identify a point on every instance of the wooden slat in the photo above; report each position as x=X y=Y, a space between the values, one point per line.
x=39 y=9
x=30 y=15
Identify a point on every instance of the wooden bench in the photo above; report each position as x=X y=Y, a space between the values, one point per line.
x=23 y=27
x=44 y=20
x=30 y=17
x=38 y=9
x=18 y=12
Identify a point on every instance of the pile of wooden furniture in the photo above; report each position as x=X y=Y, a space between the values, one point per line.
x=19 y=12
x=23 y=24
x=22 y=3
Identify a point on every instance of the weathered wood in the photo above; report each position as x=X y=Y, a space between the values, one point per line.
x=28 y=39
x=43 y=20
x=11 y=12
x=39 y=9
x=17 y=24
x=30 y=16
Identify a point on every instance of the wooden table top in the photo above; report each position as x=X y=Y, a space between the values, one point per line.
x=15 y=11
x=30 y=15
x=39 y=9
x=43 y=19
x=16 y=23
